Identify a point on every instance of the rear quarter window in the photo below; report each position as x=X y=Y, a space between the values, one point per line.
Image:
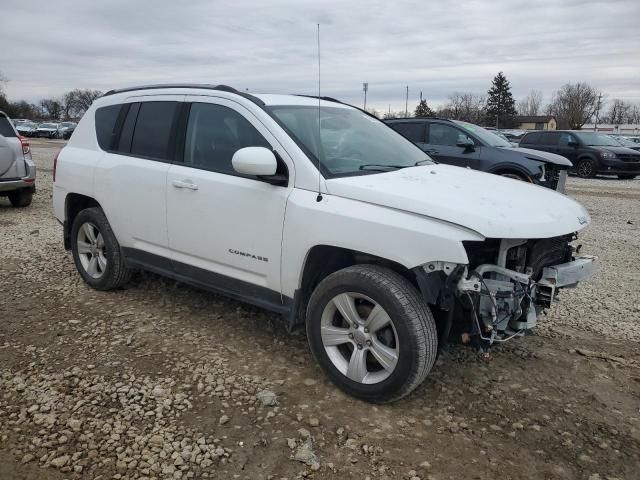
x=6 y=128
x=105 y=125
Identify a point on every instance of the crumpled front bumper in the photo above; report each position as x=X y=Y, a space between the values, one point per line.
x=565 y=275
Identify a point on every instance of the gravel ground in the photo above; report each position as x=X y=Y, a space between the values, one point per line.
x=161 y=380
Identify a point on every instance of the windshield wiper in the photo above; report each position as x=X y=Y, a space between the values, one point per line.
x=381 y=167
x=421 y=162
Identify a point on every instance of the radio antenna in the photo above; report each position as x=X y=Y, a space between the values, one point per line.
x=319 y=197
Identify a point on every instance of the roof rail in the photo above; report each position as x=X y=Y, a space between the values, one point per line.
x=220 y=88
x=334 y=100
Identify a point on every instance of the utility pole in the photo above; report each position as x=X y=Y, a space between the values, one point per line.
x=406 y=103
x=365 y=87
x=597 y=111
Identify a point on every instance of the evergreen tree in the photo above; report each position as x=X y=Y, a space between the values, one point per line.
x=423 y=110
x=501 y=106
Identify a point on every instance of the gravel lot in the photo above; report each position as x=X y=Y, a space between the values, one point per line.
x=161 y=380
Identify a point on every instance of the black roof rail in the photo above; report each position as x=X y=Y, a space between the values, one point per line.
x=220 y=88
x=419 y=118
x=334 y=100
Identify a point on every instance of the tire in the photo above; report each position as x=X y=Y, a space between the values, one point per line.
x=515 y=176
x=97 y=255
x=586 y=168
x=21 y=198
x=626 y=177
x=409 y=332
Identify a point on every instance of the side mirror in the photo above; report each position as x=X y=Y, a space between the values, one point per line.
x=256 y=161
x=466 y=143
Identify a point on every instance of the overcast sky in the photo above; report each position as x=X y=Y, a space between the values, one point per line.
x=436 y=47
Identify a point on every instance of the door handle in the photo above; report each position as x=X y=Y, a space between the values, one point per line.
x=184 y=184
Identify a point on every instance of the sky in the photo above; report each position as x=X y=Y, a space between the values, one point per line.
x=433 y=47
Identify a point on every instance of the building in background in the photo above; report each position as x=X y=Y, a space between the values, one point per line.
x=535 y=122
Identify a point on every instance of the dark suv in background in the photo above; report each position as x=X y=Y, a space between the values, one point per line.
x=591 y=153
x=467 y=145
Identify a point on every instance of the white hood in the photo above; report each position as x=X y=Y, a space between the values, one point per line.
x=494 y=206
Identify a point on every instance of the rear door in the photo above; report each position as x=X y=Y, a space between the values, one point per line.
x=133 y=172
x=442 y=140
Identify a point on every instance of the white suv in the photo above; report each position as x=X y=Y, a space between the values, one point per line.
x=313 y=209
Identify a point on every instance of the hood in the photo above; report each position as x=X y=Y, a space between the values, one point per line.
x=493 y=206
x=540 y=156
x=617 y=150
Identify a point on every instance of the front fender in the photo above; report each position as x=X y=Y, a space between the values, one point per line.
x=405 y=238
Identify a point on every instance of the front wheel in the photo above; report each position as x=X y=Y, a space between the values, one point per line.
x=371 y=332
x=96 y=251
x=586 y=168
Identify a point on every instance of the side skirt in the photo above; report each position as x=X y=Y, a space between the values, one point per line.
x=214 y=282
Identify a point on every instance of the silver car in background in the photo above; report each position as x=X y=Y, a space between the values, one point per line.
x=17 y=170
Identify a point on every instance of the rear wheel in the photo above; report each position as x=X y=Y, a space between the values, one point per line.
x=626 y=177
x=96 y=251
x=21 y=198
x=586 y=168
x=371 y=333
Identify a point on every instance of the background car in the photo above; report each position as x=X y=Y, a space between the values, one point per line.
x=66 y=129
x=625 y=142
x=27 y=129
x=466 y=145
x=17 y=170
x=591 y=153
x=48 y=130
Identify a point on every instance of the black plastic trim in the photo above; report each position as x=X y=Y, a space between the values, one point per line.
x=198 y=277
x=220 y=88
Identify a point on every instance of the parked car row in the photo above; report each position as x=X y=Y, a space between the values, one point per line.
x=27 y=128
x=320 y=212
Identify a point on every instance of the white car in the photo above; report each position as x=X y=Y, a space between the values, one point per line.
x=318 y=211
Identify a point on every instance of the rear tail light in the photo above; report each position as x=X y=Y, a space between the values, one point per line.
x=55 y=163
x=26 y=148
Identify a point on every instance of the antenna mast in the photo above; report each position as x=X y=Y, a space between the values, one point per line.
x=319 y=197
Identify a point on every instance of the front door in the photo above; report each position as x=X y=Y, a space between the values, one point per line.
x=566 y=150
x=225 y=229
x=442 y=145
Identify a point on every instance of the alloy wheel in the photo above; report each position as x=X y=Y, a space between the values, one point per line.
x=359 y=338
x=91 y=250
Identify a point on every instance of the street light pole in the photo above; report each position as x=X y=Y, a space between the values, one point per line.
x=406 y=103
x=365 y=87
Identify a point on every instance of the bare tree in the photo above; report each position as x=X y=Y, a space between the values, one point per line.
x=467 y=107
x=532 y=104
x=52 y=108
x=618 y=112
x=633 y=115
x=573 y=105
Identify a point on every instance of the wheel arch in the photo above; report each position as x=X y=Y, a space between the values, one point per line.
x=323 y=260
x=73 y=205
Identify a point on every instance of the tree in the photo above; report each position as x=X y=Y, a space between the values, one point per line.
x=52 y=108
x=500 y=103
x=531 y=105
x=633 y=116
x=618 y=112
x=423 y=110
x=573 y=105
x=467 y=107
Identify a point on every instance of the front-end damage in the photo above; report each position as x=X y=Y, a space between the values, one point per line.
x=507 y=283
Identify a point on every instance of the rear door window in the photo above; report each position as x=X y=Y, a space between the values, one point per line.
x=6 y=128
x=531 y=139
x=413 y=131
x=152 y=134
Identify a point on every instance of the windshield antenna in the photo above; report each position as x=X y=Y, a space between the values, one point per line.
x=319 y=197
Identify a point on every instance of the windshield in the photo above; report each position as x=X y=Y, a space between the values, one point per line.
x=486 y=136
x=350 y=141
x=625 y=142
x=596 y=139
